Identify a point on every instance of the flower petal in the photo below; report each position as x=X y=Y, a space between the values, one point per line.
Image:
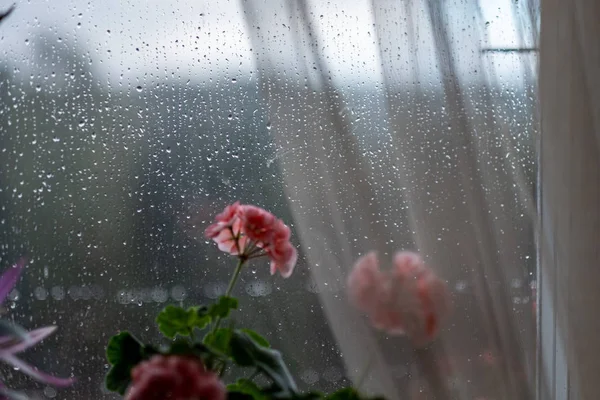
x=257 y=224
x=365 y=283
x=9 y=278
x=35 y=373
x=287 y=269
x=31 y=339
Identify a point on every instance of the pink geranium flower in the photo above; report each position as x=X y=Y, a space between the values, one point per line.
x=283 y=257
x=257 y=224
x=249 y=232
x=409 y=299
x=224 y=220
x=174 y=378
x=230 y=239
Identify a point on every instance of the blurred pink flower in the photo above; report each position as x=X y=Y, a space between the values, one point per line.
x=407 y=265
x=365 y=282
x=248 y=232
x=409 y=299
x=488 y=357
x=175 y=378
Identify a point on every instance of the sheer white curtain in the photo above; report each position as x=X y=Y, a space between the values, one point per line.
x=440 y=159
x=569 y=200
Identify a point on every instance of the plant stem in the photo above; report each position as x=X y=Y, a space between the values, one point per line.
x=254 y=375
x=235 y=276
x=232 y=283
x=222 y=369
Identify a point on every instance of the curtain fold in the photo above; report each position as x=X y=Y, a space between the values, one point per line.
x=323 y=176
x=569 y=201
x=490 y=267
x=452 y=177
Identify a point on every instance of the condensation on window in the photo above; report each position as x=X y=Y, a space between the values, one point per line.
x=126 y=126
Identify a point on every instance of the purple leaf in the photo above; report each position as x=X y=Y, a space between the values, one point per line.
x=10 y=332
x=35 y=373
x=9 y=278
x=11 y=345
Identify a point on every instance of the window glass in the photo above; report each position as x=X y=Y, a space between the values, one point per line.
x=126 y=126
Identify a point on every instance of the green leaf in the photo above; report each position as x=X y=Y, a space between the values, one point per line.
x=223 y=307
x=248 y=388
x=309 y=396
x=185 y=348
x=238 y=396
x=344 y=394
x=349 y=393
x=123 y=347
x=273 y=392
x=245 y=389
x=219 y=340
x=124 y=352
x=248 y=353
x=256 y=337
x=119 y=378
x=174 y=320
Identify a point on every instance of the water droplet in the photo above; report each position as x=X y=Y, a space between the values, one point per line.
x=49 y=392
x=139 y=88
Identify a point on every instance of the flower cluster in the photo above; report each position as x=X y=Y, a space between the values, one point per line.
x=249 y=232
x=409 y=299
x=174 y=377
